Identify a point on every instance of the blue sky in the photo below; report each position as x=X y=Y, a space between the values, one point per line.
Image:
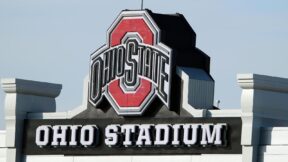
x=51 y=40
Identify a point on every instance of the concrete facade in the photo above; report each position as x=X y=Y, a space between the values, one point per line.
x=264 y=112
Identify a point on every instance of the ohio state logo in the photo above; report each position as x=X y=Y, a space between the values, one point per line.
x=133 y=67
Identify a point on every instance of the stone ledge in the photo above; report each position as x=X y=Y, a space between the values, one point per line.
x=14 y=85
x=262 y=82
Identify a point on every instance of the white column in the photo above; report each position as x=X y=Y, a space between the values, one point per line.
x=264 y=102
x=24 y=96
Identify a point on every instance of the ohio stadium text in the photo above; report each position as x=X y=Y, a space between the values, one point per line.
x=132 y=135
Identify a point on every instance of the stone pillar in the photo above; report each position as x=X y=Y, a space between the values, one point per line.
x=264 y=102
x=23 y=96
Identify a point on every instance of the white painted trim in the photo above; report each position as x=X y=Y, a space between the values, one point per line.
x=48 y=115
x=185 y=93
x=224 y=113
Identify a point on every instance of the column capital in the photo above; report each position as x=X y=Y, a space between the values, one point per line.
x=262 y=82
x=28 y=87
